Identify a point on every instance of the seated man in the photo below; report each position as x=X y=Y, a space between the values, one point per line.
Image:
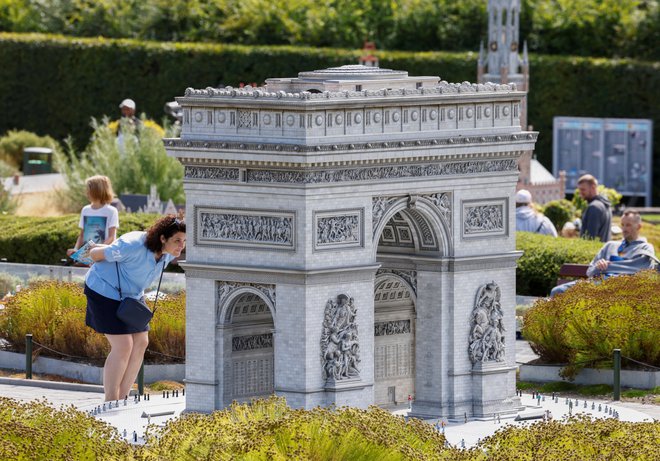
x=628 y=256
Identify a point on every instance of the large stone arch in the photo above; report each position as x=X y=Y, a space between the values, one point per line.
x=429 y=216
x=224 y=309
x=246 y=349
x=394 y=338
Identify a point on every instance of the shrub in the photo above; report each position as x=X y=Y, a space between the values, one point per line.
x=588 y=27
x=8 y=283
x=13 y=143
x=543 y=256
x=36 y=430
x=579 y=438
x=270 y=430
x=54 y=313
x=559 y=212
x=583 y=325
x=133 y=165
x=8 y=203
x=33 y=240
x=7 y=169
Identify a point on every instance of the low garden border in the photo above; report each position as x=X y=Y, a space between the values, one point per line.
x=636 y=379
x=85 y=372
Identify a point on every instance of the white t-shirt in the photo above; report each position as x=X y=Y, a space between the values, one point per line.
x=96 y=223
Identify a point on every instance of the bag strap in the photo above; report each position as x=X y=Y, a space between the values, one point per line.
x=158 y=290
x=118 y=279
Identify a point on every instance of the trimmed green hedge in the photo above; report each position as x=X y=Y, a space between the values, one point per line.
x=585 y=27
x=543 y=256
x=45 y=240
x=54 y=84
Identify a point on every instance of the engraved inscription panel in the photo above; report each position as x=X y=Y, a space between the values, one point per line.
x=251 y=342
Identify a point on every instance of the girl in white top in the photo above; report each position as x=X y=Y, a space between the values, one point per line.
x=99 y=220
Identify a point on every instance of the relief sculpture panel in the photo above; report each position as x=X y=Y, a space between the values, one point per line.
x=486 y=341
x=245 y=228
x=486 y=218
x=334 y=230
x=340 y=350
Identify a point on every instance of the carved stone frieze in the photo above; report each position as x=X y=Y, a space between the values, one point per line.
x=215 y=225
x=486 y=340
x=340 y=349
x=225 y=289
x=484 y=219
x=211 y=173
x=407 y=275
x=394 y=327
x=338 y=229
x=380 y=173
x=251 y=342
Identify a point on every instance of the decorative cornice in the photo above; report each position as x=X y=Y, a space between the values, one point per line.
x=374 y=173
x=177 y=143
x=442 y=88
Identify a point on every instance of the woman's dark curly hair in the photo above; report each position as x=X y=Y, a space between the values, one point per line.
x=166 y=226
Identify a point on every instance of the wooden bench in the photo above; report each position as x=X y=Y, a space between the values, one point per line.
x=569 y=272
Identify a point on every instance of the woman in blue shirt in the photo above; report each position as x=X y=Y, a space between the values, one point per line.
x=137 y=259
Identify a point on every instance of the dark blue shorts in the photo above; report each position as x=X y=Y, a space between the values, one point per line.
x=102 y=315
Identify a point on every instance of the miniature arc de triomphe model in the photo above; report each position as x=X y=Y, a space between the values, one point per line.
x=352 y=241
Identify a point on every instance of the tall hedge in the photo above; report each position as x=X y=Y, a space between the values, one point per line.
x=53 y=84
x=607 y=28
x=45 y=240
x=543 y=256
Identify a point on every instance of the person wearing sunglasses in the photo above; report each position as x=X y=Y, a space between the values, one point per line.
x=126 y=268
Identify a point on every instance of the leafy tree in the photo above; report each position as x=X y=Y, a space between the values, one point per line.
x=133 y=165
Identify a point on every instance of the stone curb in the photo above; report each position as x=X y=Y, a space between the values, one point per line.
x=76 y=387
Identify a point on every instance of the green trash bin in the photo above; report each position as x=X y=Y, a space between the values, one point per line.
x=37 y=160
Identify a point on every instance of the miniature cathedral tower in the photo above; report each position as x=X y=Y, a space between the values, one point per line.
x=503 y=64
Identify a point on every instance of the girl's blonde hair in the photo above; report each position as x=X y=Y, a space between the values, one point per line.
x=99 y=189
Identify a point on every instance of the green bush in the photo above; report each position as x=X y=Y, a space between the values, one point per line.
x=269 y=430
x=36 y=430
x=579 y=438
x=8 y=203
x=34 y=240
x=543 y=256
x=133 y=165
x=152 y=73
x=8 y=283
x=559 y=212
x=54 y=313
x=13 y=143
x=7 y=169
x=586 y=27
x=582 y=326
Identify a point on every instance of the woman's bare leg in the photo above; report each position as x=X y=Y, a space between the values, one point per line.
x=140 y=343
x=115 y=364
